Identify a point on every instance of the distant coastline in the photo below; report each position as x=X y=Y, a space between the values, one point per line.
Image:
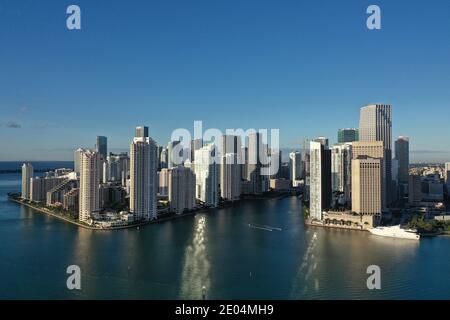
x=7 y=171
x=9 y=167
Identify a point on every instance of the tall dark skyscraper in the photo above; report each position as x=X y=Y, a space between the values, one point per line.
x=254 y=162
x=402 y=156
x=348 y=135
x=320 y=179
x=102 y=146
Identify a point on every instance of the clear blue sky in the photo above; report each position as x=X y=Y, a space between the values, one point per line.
x=305 y=67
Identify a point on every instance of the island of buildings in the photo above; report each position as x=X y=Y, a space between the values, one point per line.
x=354 y=184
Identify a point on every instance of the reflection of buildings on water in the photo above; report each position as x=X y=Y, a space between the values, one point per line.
x=195 y=278
x=336 y=260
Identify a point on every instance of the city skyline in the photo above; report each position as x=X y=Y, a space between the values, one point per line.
x=169 y=71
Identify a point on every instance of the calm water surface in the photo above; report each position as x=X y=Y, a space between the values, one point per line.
x=217 y=250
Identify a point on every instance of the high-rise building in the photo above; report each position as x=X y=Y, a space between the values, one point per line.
x=295 y=166
x=143 y=174
x=230 y=167
x=164 y=158
x=348 y=135
x=320 y=179
x=174 y=154
x=207 y=178
x=447 y=175
x=159 y=150
x=102 y=147
x=72 y=200
x=266 y=168
x=375 y=124
x=374 y=150
x=366 y=186
x=276 y=171
x=322 y=140
x=195 y=145
x=39 y=186
x=341 y=169
x=116 y=167
x=77 y=159
x=89 y=185
x=55 y=195
x=397 y=189
x=230 y=177
x=244 y=166
x=111 y=195
x=181 y=189
x=402 y=156
x=163 y=185
x=27 y=174
x=415 y=190
x=141 y=132
x=254 y=162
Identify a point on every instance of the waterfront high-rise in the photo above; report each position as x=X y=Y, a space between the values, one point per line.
x=375 y=124
x=39 y=186
x=181 y=193
x=366 y=186
x=230 y=177
x=143 y=168
x=254 y=162
x=89 y=184
x=348 y=135
x=230 y=167
x=206 y=175
x=27 y=174
x=320 y=179
x=341 y=168
x=374 y=150
x=402 y=155
x=102 y=147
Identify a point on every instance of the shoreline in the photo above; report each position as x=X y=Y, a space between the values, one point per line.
x=425 y=235
x=77 y=223
x=46 y=211
x=310 y=224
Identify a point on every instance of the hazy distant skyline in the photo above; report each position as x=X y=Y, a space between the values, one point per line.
x=305 y=67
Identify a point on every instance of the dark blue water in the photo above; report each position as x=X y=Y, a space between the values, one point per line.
x=218 y=250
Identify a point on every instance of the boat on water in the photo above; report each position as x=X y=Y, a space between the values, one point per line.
x=395 y=232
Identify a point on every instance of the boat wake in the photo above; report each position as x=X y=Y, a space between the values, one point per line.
x=263 y=227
